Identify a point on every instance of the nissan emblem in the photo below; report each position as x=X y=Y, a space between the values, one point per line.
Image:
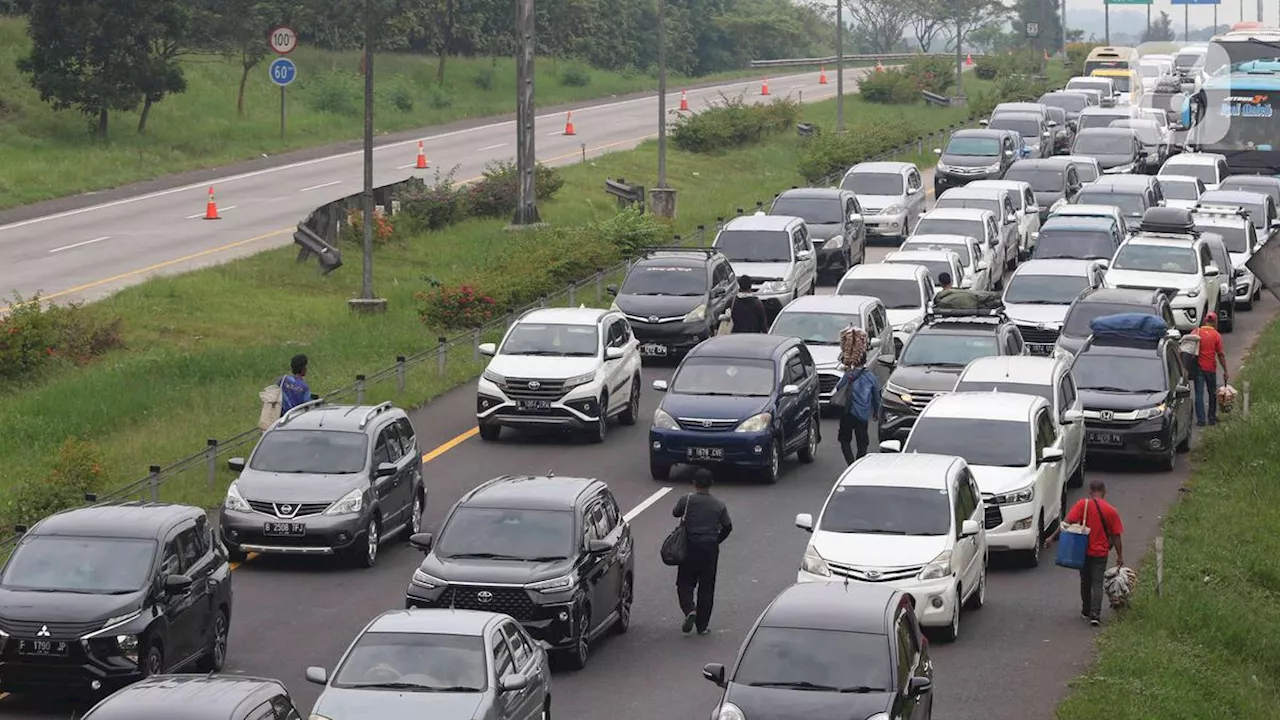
x=534 y=384
x=286 y=509
x=484 y=596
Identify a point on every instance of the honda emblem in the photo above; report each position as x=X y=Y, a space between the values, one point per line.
x=484 y=596
x=44 y=631
x=534 y=384
x=1106 y=415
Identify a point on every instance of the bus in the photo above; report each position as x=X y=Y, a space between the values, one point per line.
x=1233 y=111
x=1111 y=58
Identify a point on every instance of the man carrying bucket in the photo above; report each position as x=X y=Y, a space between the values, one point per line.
x=1105 y=531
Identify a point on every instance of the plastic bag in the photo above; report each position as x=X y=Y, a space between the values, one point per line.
x=1226 y=398
x=1118 y=582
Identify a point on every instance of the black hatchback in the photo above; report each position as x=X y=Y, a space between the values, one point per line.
x=831 y=651
x=199 y=697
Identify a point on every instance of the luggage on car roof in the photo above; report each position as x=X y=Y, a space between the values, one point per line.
x=1168 y=220
x=958 y=299
x=1133 y=327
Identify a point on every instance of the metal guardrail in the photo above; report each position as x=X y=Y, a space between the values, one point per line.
x=807 y=62
x=437 y=359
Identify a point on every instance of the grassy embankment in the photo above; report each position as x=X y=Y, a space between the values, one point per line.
x=1209 y=647
x=48 y=154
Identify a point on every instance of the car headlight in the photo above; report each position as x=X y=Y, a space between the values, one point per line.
x=898 y=392
x=663 y=420
x=814 y=564
x=835 y=241
x=352 y=502
x=696 y=315
x=494 y=377
x=1015 y=497
x=554 y=585
x=893 y=210
x=582 y=379
x=755 y=423
x=775 y=286
x=939 y=567
x=943 y=167
x=992 y=168
x=729 y=711
x=235 y=501
x=128 y=645
x=1118 y=169
x=614 y=306
x=430 y=582
x=1193 y=292
x=1151 y=412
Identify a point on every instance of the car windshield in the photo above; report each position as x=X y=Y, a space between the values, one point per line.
x=1027 y=289
x=1098 y=120
x=1074 y=244
x=973 y=147
x=937 y=348
x=1131 y=204
x=734 y=377
x=1243 y=185
x=961 y=249
x=1120 y=82
x=1103 y=144
x=1130 y=374
x=815 y=211
x=1148 y=133
x=754 y=245
x=1157 y=258
x=328 y=452
x=935 y=267
x=816 y=660
x=1044 y=391
x=1180 y=189
x=1207 y=174
x=1081 y=315
x=1041 y=180
x=872 y=183
x=1257 y=213
x=408 y=662
x=994 y=443
x=1025 y=128
x=552 y=340
x=994 y=206
x=1086 y=172
x=1235 y=237
x=666 y=280
x=86 y=565
x=814 y=328
x=1071 y=102
x=895 y=294
x=1150 y=71
x=882 y=510
x=950 y=226
x=502 y=533
x=1186 y=61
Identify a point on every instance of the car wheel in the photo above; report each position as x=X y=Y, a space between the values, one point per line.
x=809 y=452
x=979 y=597
x=576 y=657
x=1228 y=320
x=414 y=526
x=546 y=710
x=216 y=657
x=1031 y=558
x=771 y=471
x=659 y=471
x=490 y=433
x=601 y=426
x=625 y=598
x=631 y=414
x=951 y=633
x=153 y=660
x=1257 y=295
x=366 y=555
x=1169 y=459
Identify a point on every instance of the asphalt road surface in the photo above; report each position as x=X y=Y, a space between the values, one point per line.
x=87 y=253
x=1013 y=661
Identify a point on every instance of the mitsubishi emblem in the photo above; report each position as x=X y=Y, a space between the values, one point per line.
x=1106 y=415
x=534 y=384
x=44 y=631
x=484 y=596
x=653 y=318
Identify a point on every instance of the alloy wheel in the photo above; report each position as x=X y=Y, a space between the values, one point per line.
x=219 y=641
x=371 y=545
x=625 y=599
x=415 y=520
x=155 y=661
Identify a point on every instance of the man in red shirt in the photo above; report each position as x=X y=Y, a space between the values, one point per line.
x=1206 y=381
x=1105 y=531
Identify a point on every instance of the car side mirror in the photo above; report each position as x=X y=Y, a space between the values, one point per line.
x=385 y=469
x=1072 y=416
x=937 y=151
x=855 y=217
x=1182 y=391
x=421 y=541
x=513 y=682
x=913 y=191
x=891 y=446
x=177 y=584
x=611 y=289
x=874 y=343
x=918 y=684
x=487 y=349
x=984 y=265
x=1010 y=218
x=887 y=360
x=599 y=547
x=660 y=385
x=614 y=353
x=969 y=528
x=1239 y=272
x=804 y=255
x=1211 y=271
x=1053 y=123
x=1173 y=334
x=1008 y=153
x=236 y=464
x=984 y=123
x=317 y=675
x=1051 y=455
x=790 y=389
x=804 y=521
x=715 y=673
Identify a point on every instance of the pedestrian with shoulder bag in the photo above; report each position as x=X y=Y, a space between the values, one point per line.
x=704 y=524
x=1105 y=531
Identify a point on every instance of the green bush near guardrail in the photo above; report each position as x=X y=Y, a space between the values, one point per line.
x=732 y=122
x=34 y=336
x=77 y=470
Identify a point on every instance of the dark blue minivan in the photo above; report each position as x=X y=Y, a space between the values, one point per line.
x=737 y=401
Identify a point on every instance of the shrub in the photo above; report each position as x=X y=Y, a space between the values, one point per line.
x=483 y=79
x=335 y=92
x=829 y=153
x=399 y=95
x=1077 y=53
x=732 y=122
x=932 y=73
x=353 y=229
x=77 y=470
x=986 y=67
x=497 y=192
x=439 y=98
x=434 y=206
x=575 y=75
x=890 y=87
x=33 y=335
x=454 y=308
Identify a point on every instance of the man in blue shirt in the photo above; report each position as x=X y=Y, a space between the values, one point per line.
x=293 y=387
x=863 y=407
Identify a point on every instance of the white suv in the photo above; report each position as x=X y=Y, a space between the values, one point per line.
x=1241 y=238
x=913 y=522
x=1170 y=261
x=1013 y=445
x=566 y=368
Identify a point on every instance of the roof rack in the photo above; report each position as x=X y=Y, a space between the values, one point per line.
x=708 y=251
x=932 y=313
x=1221 y=209
x=374 y=411
x=297 y=410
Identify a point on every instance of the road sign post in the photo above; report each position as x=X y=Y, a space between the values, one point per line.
x=1107 y=9
x=1186 y=13
x=283 y=40
x=283 y=73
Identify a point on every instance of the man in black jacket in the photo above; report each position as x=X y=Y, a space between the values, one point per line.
x=749 y=314
x=706 y=525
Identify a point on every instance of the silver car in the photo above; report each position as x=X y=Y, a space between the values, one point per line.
x=444 y=664
x=892 y=196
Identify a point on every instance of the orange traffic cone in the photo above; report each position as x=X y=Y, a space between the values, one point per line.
x=879 y=67
x=422 y=157
x=1046 y=54
x=822 y=76
x=764 y=88
x=211 y=208
x=568 y=124
x=969 y=59
x=684 y=101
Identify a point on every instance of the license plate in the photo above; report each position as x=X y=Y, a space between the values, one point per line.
x=43 y=648
x=284 y=529
x=533 y=405
x=1039 y=349
x=706 y=453
x=653 y=350
x=1101 y=438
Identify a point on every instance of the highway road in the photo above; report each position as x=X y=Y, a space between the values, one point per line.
x=86 y=253
x=1013 y=661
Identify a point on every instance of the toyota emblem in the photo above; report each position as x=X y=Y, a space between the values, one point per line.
x=484 y=596
x=873 y=574
x=653 y=318
x=44 y=631
x=706 y=423
x=1106 y=415
x=534 y=384
x=286 y=509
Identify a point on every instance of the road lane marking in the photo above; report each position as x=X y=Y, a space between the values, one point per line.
x=200 y=214
x=492 y=147
x=322 y=185
x=449 y=445
x=648 y=502
x=79 y=244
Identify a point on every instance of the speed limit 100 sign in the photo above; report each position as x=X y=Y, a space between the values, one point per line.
x=283 y=39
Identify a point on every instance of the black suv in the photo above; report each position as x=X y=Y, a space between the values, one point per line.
x=934 y=357
x=200 y=697
x=555 y=553
x=1136 y=397
x=973 y=155
x=1093 y=304
x=675 y=298
x=835 y=222
x=97 y=598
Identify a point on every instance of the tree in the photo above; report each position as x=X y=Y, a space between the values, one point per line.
x=882 y=22
x=966 y=15
x=238 y=30
x=992 y=38
x=927 y=20
x=164 y=32
x=1045 y=14
x=1161 y=30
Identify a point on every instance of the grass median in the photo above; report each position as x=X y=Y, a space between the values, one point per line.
x=1209 y=645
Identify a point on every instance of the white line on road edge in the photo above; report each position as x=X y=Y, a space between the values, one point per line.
x=322 y=185
x=491 y=147
x=79 y=244
x=221 y=210
x=648 y=502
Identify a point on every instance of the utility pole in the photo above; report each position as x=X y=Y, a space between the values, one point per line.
x=840 y=66
x=662 y=199
x=526 y=157
x=367 y=302
x=1106 y=20
x=1186 y=23
x=1259 y=10
x=1064 y=31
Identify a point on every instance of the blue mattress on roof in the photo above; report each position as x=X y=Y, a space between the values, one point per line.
x=1129 y=326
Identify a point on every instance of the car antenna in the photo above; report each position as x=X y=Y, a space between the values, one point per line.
x=551 y=473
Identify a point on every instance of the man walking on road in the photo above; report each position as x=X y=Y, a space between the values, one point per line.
x=749 y=315
x=862 y=408
x=293 y=387
x=706 y=525
x=1105 y=532
x=1206 y=380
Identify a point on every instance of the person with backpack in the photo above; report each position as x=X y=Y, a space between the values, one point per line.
x=858 y=396
x=1106 y=530
x=706 y=523
x=294 y=389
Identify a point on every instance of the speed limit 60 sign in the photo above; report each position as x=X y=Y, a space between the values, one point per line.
x=283 y=39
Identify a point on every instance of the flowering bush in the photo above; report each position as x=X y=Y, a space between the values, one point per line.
x=497 y=192
x=383 y=228
x=77 y=470
x=32 y=335
x=434 y=206
x=454 y=308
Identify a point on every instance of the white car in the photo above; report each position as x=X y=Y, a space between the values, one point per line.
x=775 y=251
x=936 y=262
x=981 y=224
x=1240 y=236
x=1156 y=262
x=1013 y=445
x=568 y=368
x=1024 y=205
x=905 y=290
x=913 y=522
x=976 y=258
x=1102 y=85
x=818 y=319
x=891 y=193
x=1159 y=117
x=1153 y=67
x=1001 y=204
x=1039 y=294
x=1182 y=191
x=1211 y=168
x=1101 y=211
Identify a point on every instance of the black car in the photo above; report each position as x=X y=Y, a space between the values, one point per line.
x=676 y=297
x=1095 y=303
x=835 y=222
x=1064 y=132
x=1052 y=180
x=934 y=357
x=1135 y=396
x=97 y=598
x=555 y=553
x=831 y=651
x=1117 y=150
x=199 y=697
x=973 y=155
